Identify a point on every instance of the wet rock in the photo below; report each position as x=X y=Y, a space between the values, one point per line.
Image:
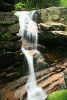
x=52 y=26
x=39 y=60
x=65 y=73
x=49 y=81
x=36 y=16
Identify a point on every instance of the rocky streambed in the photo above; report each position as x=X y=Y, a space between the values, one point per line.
x=52 y=73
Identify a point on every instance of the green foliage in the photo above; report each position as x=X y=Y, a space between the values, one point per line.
x=19 y=5
x=4 y=36
x=63 y=3
x=37 y=4
x=58 y=95
x=41 y=3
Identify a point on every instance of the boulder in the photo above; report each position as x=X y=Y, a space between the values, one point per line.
x=54 y=14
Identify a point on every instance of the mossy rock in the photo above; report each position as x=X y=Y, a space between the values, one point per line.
x=4 y=36
x=7 y=18
x=58 y=95
x=50 y=14
x=54 y=14
x=14 y=28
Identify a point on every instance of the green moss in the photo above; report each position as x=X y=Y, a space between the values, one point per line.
x=58 y=95
x=44 y=16
x=6 y=52
x=6 y=22
x=65 y=19
x=4 y=36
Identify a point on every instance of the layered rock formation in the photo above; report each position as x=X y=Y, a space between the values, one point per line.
x=52 y=75
x=10 y=53
x=49 y=79
x=53 y=25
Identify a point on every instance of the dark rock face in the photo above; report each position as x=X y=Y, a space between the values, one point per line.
x=36 y=16
x=7 y=5
x=10 y=47
x=54 y=33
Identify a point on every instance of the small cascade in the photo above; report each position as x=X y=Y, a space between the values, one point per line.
x=28 y=28
x=31 y=83
x=28 y=32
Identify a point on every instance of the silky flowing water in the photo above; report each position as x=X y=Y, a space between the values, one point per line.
x=29 y=33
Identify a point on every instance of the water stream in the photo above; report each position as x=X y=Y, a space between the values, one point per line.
x=28 y=32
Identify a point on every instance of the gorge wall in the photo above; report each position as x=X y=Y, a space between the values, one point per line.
x=52 y=31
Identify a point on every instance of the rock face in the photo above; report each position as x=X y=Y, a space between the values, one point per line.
x=54 y=33
x=10 y=57
x=53 y=26
x=52 y=75
x=54 y=14
x=50 y=79
x=12 y=61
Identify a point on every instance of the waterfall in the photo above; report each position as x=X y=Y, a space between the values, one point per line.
x=28 y=28
x=28 y=32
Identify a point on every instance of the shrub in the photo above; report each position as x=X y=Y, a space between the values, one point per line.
x=58 y=95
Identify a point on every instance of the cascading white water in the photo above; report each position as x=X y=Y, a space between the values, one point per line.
x=28 y=28
x=28 y=31
x=31 y=83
